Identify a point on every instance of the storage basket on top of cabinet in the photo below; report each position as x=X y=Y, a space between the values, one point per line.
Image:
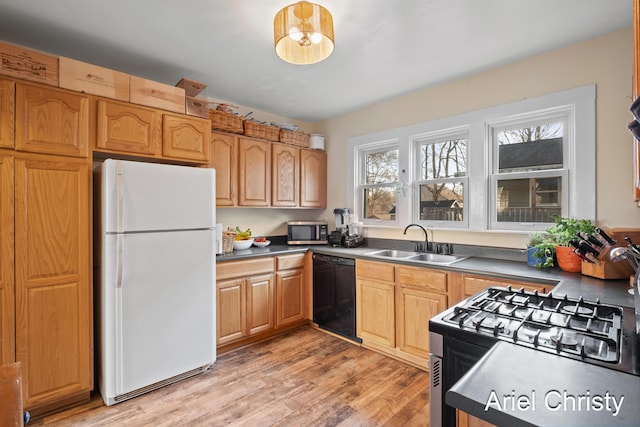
x=227 y=122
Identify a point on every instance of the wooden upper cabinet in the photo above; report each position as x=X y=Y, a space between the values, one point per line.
x=7 y=289
x=313 y=178
x=128 y=128
x=51 y=121
x=185 y=138
x=7 y=113
x=223 y=157
x=285 y=176
x=54 y=320
x=255 y=172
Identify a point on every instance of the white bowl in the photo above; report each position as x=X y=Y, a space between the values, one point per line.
x=262 y=244
x=242 y=244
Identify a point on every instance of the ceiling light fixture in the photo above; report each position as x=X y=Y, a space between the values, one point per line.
x=303 y=33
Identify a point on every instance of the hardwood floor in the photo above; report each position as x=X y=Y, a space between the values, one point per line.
x=302 y=378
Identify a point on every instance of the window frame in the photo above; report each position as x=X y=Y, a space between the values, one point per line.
x=580 y=159
x=564 y=114
x=361 y=185
x=439 y=136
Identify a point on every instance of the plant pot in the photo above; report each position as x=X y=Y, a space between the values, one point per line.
x=568 y=260
x=532 y=260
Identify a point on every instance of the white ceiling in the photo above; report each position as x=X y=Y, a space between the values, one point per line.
x=383 y=48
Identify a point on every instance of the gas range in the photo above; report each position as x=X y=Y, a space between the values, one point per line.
x=589 y=331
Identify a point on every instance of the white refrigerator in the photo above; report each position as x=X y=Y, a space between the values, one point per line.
x=155 y=287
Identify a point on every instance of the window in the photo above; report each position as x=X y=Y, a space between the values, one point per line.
x=378 y=183
x=440 y=177
x=508 y=167
x=529 y=173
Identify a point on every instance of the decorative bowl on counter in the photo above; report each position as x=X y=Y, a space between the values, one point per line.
x=262 y=244
x=242 y=244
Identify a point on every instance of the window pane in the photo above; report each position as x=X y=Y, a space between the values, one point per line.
x=531 y=148
x=380 y=203
x=381 y=167
x=529 y=199
x=441 y=202
x=443 y=159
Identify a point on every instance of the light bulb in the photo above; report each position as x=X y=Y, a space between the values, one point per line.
x=316 y=38
x=295 y=34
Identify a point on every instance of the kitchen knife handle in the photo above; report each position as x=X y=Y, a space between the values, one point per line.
x=604 y=235
x=587 y=248
x=592 y=239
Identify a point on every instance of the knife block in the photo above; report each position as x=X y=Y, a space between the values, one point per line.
x=608 y=269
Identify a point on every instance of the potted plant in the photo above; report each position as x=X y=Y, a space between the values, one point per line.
x=562 y=231
x=540 y=250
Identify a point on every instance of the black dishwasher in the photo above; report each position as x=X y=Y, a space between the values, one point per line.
x=334 y=295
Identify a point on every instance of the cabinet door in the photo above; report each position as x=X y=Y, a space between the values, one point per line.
x=7 y=299
x=54 y=318
x=231 y=310
x=414 y=308
x=289 y=297
x=128 y=128
x=313 y=179
x=259 y=303
x=224 y=159
x=186 y=138
x=7 y=113
x=473 y=285
x=375 y=312
x=285 y=176
x=51 y=121
x=255 y=172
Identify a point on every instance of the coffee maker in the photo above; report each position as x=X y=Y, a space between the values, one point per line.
x=342 y=235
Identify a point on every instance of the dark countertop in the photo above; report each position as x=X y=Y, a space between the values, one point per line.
x=570 y=284
x=482 y=390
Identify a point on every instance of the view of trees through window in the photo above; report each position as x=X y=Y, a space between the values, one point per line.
x=441 y=197
x=381 y=178
x=529 y=149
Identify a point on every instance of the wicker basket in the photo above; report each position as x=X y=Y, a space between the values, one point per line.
x=257 y=130
x=300 y=139
x=225 y=121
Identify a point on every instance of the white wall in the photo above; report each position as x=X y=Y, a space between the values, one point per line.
x=606 y=61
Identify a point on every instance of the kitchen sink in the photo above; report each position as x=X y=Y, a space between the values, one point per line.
x=393 y=253
x=437 y=258
x=427 y=258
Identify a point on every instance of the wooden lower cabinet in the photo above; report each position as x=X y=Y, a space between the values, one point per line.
x=244 y=298
x=463 y=285
x=255 y=300
x=53 y=297
x=414 y=308
x=290 y=289
x=394 y=303
x=375 y=312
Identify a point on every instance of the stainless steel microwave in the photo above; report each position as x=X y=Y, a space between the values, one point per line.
x=307 y=233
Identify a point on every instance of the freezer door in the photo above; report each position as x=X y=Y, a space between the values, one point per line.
x=140 y=196
x=159 y=318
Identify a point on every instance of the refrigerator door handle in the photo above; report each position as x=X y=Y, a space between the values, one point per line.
x=119 y=257
x=120 y=223
x=120 y=197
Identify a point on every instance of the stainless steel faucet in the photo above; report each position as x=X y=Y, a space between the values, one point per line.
x=420 y=247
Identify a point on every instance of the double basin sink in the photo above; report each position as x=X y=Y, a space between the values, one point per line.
x=425 y=257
